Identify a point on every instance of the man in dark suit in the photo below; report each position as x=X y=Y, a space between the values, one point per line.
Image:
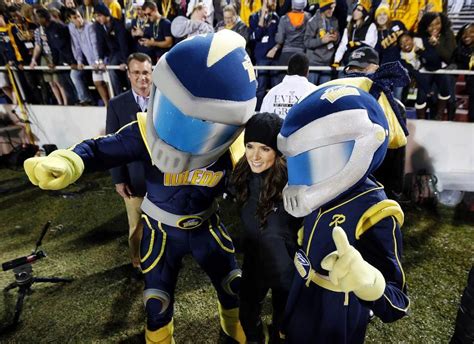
x=129 y=179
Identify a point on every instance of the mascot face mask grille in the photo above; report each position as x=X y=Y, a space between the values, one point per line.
x=203 y=94
x=333 y=139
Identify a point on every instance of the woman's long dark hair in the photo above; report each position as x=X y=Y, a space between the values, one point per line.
x=426 y=20
x=366 y=21
x=271 y=190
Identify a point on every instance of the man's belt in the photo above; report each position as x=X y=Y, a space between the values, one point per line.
x=174 y=220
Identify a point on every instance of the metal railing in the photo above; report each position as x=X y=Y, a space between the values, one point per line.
x=276 y=68
x=257 y=68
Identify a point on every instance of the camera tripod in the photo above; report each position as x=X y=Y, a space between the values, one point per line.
x=24 y=278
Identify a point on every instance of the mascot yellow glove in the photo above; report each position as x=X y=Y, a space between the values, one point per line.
x=348 y=270
x=55 y=171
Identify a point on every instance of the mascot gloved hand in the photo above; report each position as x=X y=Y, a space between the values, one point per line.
x=348 y=270
x=55 y=171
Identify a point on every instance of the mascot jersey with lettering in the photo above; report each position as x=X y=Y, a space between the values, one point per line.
x=349 y=263
x=203 y=94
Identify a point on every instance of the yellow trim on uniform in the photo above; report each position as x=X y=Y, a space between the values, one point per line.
x=152 y=240
x=378 y=212
x=395 y=251
x=237 y=149
x=122 y=128
x=219 y=240
x=163 y=244
x=223 y=233
x=331 y=209
x=141 y=119
x=398 y=308
x=312 y=232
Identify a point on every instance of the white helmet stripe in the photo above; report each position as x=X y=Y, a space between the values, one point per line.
x=215 y=110
x=341 y=126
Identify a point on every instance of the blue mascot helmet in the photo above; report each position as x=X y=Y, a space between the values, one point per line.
x=203 y=94
x=333 y=139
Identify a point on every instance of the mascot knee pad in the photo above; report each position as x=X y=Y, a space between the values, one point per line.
x=156 y=302
x=231 y=283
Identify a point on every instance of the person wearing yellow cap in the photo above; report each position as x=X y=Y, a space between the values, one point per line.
x=320 y=39
x=360 y=31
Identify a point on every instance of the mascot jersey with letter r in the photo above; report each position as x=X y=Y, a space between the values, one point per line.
x=349 y=263
x=203 y=94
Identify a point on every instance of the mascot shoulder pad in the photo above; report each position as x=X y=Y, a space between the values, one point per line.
x=378 y=212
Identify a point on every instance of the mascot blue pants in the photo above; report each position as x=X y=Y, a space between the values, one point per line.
x=162 y=250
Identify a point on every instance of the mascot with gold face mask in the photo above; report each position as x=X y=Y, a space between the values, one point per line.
x=349 y=263
x=203 y=94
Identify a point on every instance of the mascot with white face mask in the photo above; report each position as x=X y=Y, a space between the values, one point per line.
x=349 y=263
x=203 y=94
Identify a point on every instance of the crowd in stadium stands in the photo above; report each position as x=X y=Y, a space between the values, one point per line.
x=78 y=33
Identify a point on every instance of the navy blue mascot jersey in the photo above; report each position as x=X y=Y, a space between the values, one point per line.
x=185 y=193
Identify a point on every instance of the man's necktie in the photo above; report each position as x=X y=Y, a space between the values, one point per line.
x=142 y=103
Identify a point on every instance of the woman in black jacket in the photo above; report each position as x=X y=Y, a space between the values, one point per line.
x=269 y=232
x=439 y=43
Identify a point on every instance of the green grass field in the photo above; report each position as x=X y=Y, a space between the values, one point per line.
x=88 y=242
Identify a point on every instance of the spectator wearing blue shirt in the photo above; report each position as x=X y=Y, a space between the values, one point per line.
x=263 y=28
